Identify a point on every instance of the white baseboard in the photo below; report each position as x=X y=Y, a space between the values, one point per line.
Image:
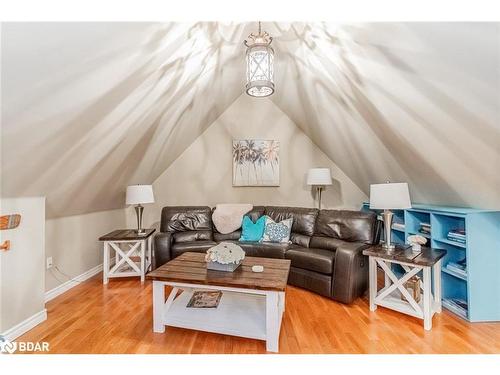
x=25 y=325
x=64 y=287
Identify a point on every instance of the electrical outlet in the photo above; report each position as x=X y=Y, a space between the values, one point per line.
x=49 y=262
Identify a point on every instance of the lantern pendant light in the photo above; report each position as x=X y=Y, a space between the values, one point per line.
x=260 y=64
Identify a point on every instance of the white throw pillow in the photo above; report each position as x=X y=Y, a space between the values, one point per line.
x=227 y=217
x=277 y=232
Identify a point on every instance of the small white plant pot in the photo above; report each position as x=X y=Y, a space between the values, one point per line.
x=415 y=247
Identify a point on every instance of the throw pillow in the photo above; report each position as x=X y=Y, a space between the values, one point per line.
x=277 y=232
x=252 y=231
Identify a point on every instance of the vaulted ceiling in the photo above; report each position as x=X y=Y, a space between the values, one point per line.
x=88 y=108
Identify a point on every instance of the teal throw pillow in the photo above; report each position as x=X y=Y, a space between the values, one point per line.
x=252 y=231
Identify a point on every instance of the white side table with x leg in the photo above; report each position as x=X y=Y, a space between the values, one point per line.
x=128 y=246
x=428 y=261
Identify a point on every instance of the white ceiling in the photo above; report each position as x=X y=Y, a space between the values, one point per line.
x=88 y=108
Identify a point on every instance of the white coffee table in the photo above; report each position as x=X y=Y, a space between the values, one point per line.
x=252 y=305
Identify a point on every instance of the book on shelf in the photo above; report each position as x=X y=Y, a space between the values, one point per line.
x=459 y=240
x=457 y=270
x=456 y=305
x=457 y=265
x=425 y=228
x=399 y=226
x=458 y=302
x=457 y=235
x=205 y=299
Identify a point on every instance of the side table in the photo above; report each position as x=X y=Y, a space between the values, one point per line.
x=428 y=261
x=125 y=266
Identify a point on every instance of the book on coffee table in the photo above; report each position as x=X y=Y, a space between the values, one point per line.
x=205 y=299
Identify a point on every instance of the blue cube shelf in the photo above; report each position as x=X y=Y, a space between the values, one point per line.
x=480 y=287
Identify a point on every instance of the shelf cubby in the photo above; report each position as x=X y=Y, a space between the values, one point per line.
x=414 y=218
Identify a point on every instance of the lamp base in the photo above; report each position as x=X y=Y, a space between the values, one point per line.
x=388 y=246
x=319 y=190
x=138 y=211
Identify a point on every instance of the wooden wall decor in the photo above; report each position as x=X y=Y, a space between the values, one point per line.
x=9 y=221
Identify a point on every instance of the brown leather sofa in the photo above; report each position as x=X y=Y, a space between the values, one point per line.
x=325 y=247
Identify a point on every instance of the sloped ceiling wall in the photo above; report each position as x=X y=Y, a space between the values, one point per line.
x=416 y=102
x=89 y=108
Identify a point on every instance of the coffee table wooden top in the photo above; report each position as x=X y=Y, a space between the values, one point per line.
x=191 y=268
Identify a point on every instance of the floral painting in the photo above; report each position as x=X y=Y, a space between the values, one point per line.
x=256 y=163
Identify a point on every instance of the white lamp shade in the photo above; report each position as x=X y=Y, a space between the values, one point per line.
x=390 y=196
x=319 y=176
x=139 y=194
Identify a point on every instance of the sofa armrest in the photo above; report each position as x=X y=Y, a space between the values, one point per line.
x=350 y=272
x=162 y=248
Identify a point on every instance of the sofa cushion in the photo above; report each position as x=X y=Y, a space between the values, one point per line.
x=312 y=259
x=193 y=235
x=327 y=243
x=300 y=239
x=219 y=237
x=264 y=249
x=185 y=218
x=351 y=226
x=303 y=218
x=194 y=246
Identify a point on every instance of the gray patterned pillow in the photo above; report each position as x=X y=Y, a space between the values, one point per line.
x=277 y=232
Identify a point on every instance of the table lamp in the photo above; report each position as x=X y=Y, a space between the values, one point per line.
x=319 y=177
x=138 y=195
x=386 y=197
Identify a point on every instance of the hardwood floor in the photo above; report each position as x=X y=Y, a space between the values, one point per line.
x=117 y=318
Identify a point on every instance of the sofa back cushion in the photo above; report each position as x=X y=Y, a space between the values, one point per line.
x=303 y=218
x=256 y=213
x=186 y=218
x=193 y=235
x=351 y=226
x=300 y=239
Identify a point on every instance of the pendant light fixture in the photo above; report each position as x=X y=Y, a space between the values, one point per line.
x=260 y=64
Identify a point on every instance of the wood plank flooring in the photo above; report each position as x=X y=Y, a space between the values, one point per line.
x=117 y=318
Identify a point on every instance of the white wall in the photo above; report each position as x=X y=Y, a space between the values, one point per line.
x=202 y=175
x=73 y=244
x=22 y=274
